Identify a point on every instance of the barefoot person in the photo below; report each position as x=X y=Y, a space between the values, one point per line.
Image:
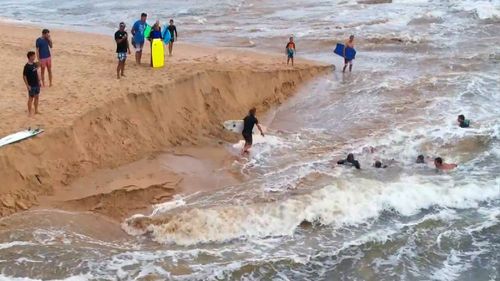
x=138 y=36
x=155 y=34
x=173 y=36
x=348 y=44
x=290 y=50
x=122 y=48
x=32 y=79
x=248 y=123
x=440 y=165
x=43 y=53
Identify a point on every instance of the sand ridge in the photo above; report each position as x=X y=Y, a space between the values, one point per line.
x=94 y=121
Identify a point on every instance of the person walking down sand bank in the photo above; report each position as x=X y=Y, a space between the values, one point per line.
x=32 y=80
x=173 y=36
x=138 y=36
x=122 y=49
x=290 y=50
x=43 y=52
x=248 y=123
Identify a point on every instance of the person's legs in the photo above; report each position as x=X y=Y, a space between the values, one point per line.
x=123 y=67
x=118 y=67
x=350 y=66
x=49 y=70
x=287 y=60
x=42 y=64
x=30 y=101
x=170 y=47
x=36 y=104
x=292 y=60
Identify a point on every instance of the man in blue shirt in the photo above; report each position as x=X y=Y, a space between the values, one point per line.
x=43 y=46
x=138 y=36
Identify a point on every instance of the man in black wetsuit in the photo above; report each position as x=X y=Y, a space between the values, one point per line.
x=350 y=161
x=173 y=36
x=248 y=123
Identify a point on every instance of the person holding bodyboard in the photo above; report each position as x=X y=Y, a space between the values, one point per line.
x=348 y=60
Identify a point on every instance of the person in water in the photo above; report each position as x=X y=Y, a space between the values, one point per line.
x=462 y=122
x=348 y=44
x=154 y=34
x=44 y=54
x=138 y=36
x=173 y=36
x=379 y=165
x=122 y=48
x=420 y=159
x=248 y=123
x=350 y=161
x=290 y=50
x=440 y=165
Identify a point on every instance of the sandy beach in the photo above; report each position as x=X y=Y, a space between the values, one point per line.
x=93 y=121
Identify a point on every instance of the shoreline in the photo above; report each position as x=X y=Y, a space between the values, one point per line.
x=93 y=121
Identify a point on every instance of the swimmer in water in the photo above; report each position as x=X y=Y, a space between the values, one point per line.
x=440 y=165
x=379 y=165
x=462 y=122
x=350 y=161
x=420 y=159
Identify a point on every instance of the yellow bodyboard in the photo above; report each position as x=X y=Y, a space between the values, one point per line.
x=158 y=53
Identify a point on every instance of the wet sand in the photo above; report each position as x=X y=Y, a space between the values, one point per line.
x=94 y=122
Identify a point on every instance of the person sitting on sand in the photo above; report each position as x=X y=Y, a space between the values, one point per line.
x=32 y=79
x=348 y=44
x=290 y=50
x=440 y=165
x=138 y=36
x=350 y=161
x=173 y=36
x=248 y=123
x=122 y=48
x=154 y=34
x=44 y=55
x=462 y=122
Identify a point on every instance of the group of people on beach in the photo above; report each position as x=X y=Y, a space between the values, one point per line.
x=139 y=38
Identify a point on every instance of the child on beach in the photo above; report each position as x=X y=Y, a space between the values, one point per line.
x=43 y=52
x=32 y=79
x=290 y=50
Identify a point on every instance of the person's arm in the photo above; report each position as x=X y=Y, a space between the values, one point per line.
x=49 y=40
x=133 y=30
x=175 y=30
x=260 y=129
x=37 y=52
x=341 y=162
x=39 y=77
x=345 y=47
x=26 y=82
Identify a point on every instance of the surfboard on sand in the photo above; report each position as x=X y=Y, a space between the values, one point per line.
x=158 y=53
x=350 y=53
x=236 y=126
x=19 y=136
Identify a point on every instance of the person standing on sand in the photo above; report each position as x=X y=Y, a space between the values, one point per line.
x=173 y=31
x=138 y=36
x=43 y=45
x=122 y=48
x=348 y=44
x=248 y=123
x=155 y=34
x=290 y=50
x=32 y=79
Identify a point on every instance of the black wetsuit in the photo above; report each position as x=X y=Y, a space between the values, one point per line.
x=248 y=123
x=354 y=163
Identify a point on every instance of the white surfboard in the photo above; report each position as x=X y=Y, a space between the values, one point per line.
x=19 y=136
x=236 y=126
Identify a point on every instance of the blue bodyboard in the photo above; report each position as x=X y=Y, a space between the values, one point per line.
x=166 y=34
x=350 y=53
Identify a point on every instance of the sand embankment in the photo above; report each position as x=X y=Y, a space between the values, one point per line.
x=94 y=121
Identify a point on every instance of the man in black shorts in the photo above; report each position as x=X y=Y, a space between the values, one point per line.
x=32 y=79
x=248 y=123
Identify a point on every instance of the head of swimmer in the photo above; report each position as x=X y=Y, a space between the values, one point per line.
x=157 y=26
x=377 y=164
x=144 y=16
x=438 y=162
x=420 y=159
x=350 y=157
x=461 y=118
x=252 y=111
